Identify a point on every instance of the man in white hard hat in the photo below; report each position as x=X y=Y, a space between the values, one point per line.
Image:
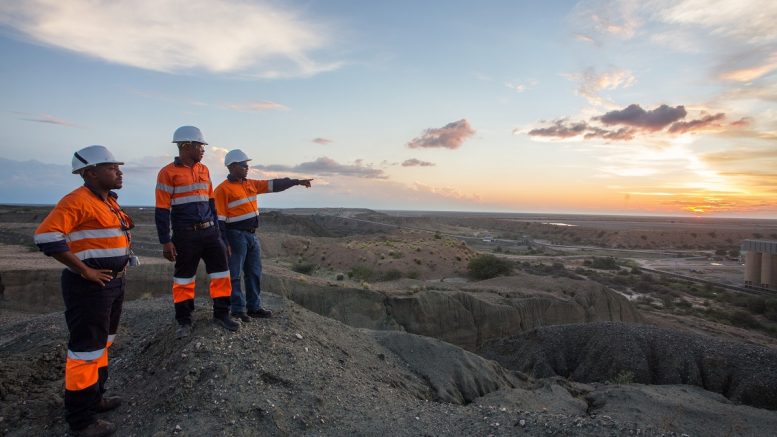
x=185 y=205
x=89 y=233
x=238 y=214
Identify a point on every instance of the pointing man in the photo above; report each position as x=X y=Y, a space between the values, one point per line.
x=88 y=232
x=238 y=215
x=184 y=203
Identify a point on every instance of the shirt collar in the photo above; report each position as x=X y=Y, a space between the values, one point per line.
x=97 y=193
x=234 y=179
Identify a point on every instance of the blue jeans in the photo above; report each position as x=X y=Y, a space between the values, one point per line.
x=245 y=258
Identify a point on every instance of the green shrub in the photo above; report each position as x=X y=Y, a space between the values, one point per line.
x=604 y=263
x=756 y=304
x=770 y=309
x=623 y=377
x=305 y=268
x=362 y=273
x=744 y=320
x=488 y=266
x=391 y=275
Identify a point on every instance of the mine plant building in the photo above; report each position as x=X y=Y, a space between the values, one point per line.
x=760 y=263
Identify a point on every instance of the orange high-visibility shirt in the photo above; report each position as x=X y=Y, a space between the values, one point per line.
x=95 y=230
x=183 y=197
x=236 y=200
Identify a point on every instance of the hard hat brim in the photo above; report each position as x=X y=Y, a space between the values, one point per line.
x=79 y=170
x=235 y=162
x=189 y=141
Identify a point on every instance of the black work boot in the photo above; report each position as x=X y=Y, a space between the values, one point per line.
x=183 y=330
x=107 y=403
x=243 y=317
x=100 y=428
x=226 y=322
x=260 y=313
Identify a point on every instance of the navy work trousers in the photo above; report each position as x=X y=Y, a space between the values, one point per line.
x=92 y=313
x=193 y=246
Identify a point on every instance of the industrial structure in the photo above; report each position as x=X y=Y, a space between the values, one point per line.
x=760 y=263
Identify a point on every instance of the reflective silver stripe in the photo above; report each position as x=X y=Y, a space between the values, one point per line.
x=165 y=188
x=95 y=233
x=235 y=203
x=49 y=237
x=223 y=218
x=218 y=275
x=189 y=199
x=269 y=186
x=192 y=187
x=111 y=337
x=183 y=281
x=85 y=356
x=242 y=217
x=102 y=253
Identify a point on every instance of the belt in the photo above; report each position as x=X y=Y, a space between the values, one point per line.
x=201 y=226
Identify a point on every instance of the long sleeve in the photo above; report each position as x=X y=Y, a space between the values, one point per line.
x=220 y=196
x=164 y=194
x=278 y=185
x=216 y=221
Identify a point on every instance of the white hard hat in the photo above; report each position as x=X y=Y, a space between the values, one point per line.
x=91 y=156
x=234 y=156
x=188 y=133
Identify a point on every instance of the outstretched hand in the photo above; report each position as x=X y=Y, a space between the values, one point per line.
x=305 y=182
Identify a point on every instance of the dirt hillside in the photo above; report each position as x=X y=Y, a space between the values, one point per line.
x=303 y=374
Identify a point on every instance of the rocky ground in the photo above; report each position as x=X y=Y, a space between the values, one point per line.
x=387 y=353
x=303 y=374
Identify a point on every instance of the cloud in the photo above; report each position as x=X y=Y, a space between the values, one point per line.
x=446 y=192
x=563 y=129
x=48 y=119
x=622 y=134
x=633 y=121
x=652 y=120
x=740 y=154
x=747 y=21
x=451 y=136
x=593 y=83
x=602 y=17
x=704 y=123
x=328 y=166
x=751 y=72
x=322 y=141
x=742 y=122
x=255 y=106
x=256 y=39
x=560 y=129
x=417 y=163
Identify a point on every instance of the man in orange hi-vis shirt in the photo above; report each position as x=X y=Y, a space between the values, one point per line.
x=184 y=204
x=89 y=233
x=238 y=215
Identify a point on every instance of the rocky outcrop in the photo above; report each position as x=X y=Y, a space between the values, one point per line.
x=464 y=318
x=643 y=354
x=454 y=375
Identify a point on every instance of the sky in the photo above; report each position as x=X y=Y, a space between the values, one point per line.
x=651 y=107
